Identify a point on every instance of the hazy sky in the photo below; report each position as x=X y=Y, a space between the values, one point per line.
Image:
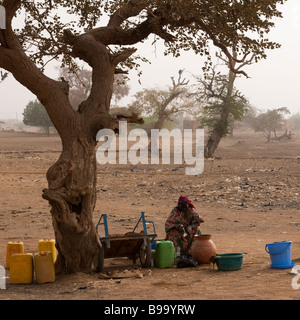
x=274 y=82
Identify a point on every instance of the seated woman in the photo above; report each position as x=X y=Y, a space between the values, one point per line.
x=182 y=225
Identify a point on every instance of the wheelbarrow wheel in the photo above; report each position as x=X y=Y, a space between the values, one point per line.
x=145 y=254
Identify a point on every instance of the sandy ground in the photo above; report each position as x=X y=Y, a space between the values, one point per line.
x=248 y=197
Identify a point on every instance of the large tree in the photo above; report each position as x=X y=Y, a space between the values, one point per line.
x=70 y=31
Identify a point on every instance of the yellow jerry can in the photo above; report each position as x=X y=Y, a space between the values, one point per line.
x=47 y=245
x=44 y=267
x=21 y=268
x=11 y=248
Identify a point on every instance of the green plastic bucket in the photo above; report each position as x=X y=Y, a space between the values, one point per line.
x=164 y=254
x=229 y=261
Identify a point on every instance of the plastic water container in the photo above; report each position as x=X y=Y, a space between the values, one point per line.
x=21 y=268
x=280 y=254
x=11 y=248
x=47 y=245
x=164 y=254
x=2 y=278
x=44 y=267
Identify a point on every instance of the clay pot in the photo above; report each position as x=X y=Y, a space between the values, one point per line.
x=203 y=248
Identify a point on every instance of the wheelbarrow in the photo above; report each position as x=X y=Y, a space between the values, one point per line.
x=131 y=244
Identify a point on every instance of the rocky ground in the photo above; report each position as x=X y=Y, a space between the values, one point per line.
x=248 y=196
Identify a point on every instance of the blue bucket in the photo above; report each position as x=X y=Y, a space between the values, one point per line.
x=280 y=253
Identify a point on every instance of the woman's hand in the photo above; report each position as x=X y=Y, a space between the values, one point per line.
x=192 y=228
x=179 y=227
x=189 y=229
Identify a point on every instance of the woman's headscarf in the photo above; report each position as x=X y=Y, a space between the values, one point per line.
x=185 y=200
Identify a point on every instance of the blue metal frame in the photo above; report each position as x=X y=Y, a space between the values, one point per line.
x=104 y=216
x=105 y=224
x=144 y=224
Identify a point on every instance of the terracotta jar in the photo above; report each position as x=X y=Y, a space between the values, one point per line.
x=203 y=248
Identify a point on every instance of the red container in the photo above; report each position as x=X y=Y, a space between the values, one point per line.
x=203 y=248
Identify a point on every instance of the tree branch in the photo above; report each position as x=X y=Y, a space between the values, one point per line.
x=122 y=55
x=7 y=38
x=231 y=59
x=14 y=60
x=131 y=10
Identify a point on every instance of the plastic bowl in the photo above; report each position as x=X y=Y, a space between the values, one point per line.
x=229 y=261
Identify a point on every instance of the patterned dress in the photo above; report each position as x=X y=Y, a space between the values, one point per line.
x=184 y=238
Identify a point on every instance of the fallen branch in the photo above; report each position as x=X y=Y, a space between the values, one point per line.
x=285 y=135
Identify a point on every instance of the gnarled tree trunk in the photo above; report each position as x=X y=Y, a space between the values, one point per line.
x=72 y=195
x=72 y=179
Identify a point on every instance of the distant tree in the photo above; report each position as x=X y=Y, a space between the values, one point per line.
x=120 y=89
x=295 y=121
x=36 y=115
x=249 y=116
x=270 y=122
x=222 y=103
x=80 y=82
x=164 y=104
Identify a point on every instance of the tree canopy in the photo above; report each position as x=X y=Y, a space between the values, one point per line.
x=214 y=94
x=36 y=115
x=54 y=29
x=68 y=30
x=270 y=122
